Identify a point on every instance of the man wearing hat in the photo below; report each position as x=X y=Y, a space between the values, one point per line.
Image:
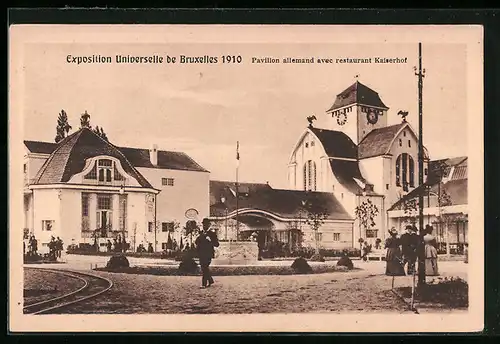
x=409 y=244
x=205 y=244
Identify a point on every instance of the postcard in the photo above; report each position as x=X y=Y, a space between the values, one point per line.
x=281 y=178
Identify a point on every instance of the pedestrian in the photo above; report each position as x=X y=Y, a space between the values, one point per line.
x=150 y=248
x=431 y=266
x=409 y=244
x=60 y=247
x=52 y=248
x=109 y=245
x=365 y=250
x=205 y=244
x=393 y=258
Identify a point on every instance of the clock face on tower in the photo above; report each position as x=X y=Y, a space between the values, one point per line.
x=372 y=117
x=342 y=119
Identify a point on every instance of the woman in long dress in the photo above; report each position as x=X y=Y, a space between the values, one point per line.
x=431 y=266
x=393 y=258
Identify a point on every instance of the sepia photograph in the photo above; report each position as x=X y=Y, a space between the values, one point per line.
x=258 y=178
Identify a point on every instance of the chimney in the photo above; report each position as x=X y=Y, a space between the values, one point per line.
x=153 y=154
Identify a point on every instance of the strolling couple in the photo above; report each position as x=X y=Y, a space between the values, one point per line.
x=205 y=245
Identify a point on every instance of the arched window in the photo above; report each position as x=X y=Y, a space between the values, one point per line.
x=405 y=171
x=305 y=177
x=310 y=180
x=398 y=171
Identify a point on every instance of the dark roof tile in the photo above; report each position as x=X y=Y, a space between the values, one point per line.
x=40 y=147
x=378 y=141
x=336 y=143
x=360 y=94
x=284 y=203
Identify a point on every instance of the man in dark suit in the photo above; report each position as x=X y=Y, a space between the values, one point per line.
x=205 y=244
x=409 y=244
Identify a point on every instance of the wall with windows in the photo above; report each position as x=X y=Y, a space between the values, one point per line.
x=47 y=216
x=404 y=173
x=306 y=170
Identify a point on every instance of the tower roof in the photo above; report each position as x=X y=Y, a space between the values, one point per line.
x=357 y=93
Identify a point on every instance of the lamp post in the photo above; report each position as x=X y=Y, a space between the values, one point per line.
x=421 y=257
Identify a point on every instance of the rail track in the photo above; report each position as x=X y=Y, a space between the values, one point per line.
x=92 y=288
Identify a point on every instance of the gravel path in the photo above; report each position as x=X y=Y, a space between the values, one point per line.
x=332 y=292
x=43 y=285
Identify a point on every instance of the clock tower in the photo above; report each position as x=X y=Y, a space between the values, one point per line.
x=357 y=111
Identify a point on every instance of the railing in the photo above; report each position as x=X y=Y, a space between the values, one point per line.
x=109 y=234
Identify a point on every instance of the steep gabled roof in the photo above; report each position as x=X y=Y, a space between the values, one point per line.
x=69 y=158
x=283 y=203
x=336 y=143
x=378 y=141
x=40 y=147
x=357 y=93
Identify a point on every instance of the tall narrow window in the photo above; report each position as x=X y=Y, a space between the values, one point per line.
x=398 y=171
x=85 y=212
x=404 y=172
x=412 y=171
x=123 y=212
x=305 y=176
x=314 y=176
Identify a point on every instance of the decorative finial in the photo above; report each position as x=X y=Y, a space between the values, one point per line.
x=310 y=119
x=403 y=114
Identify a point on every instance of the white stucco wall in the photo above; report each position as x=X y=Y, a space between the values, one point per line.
x=47 y=206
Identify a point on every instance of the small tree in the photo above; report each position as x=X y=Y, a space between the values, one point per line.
x=316 y=216
x=63 y=127
x=410 y=210
x=100 y=132
x=366 y=212
x=191 y=229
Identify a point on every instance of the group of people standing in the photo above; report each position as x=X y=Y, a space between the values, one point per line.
x=402 y=252
x=55 y=248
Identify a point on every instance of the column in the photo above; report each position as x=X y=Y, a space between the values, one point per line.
x=116 y=212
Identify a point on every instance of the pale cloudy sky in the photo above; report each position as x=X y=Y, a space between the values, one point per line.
x=204 y=109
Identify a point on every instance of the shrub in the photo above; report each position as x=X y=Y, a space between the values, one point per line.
x=301 y=266
x=317 y=258
x=118 y=262
x=346 y=261
x=188 y=266
x=31 y=258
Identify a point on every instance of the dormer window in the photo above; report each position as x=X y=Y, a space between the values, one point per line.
x=104 y=171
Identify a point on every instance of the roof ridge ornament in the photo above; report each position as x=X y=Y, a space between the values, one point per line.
x=310 y=119
x=403 y=114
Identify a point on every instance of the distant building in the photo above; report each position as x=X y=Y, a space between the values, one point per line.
x=445 y=204
x=275 y=214
x=84 y=183
x=358 y=157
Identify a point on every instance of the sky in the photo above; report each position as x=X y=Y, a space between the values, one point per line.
x=203 y=110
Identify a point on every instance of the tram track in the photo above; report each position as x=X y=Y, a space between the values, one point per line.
x=93 y=286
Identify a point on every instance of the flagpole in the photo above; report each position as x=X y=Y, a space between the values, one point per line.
x=237 y=194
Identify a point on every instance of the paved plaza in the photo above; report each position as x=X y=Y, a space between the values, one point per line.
x=366 y=289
